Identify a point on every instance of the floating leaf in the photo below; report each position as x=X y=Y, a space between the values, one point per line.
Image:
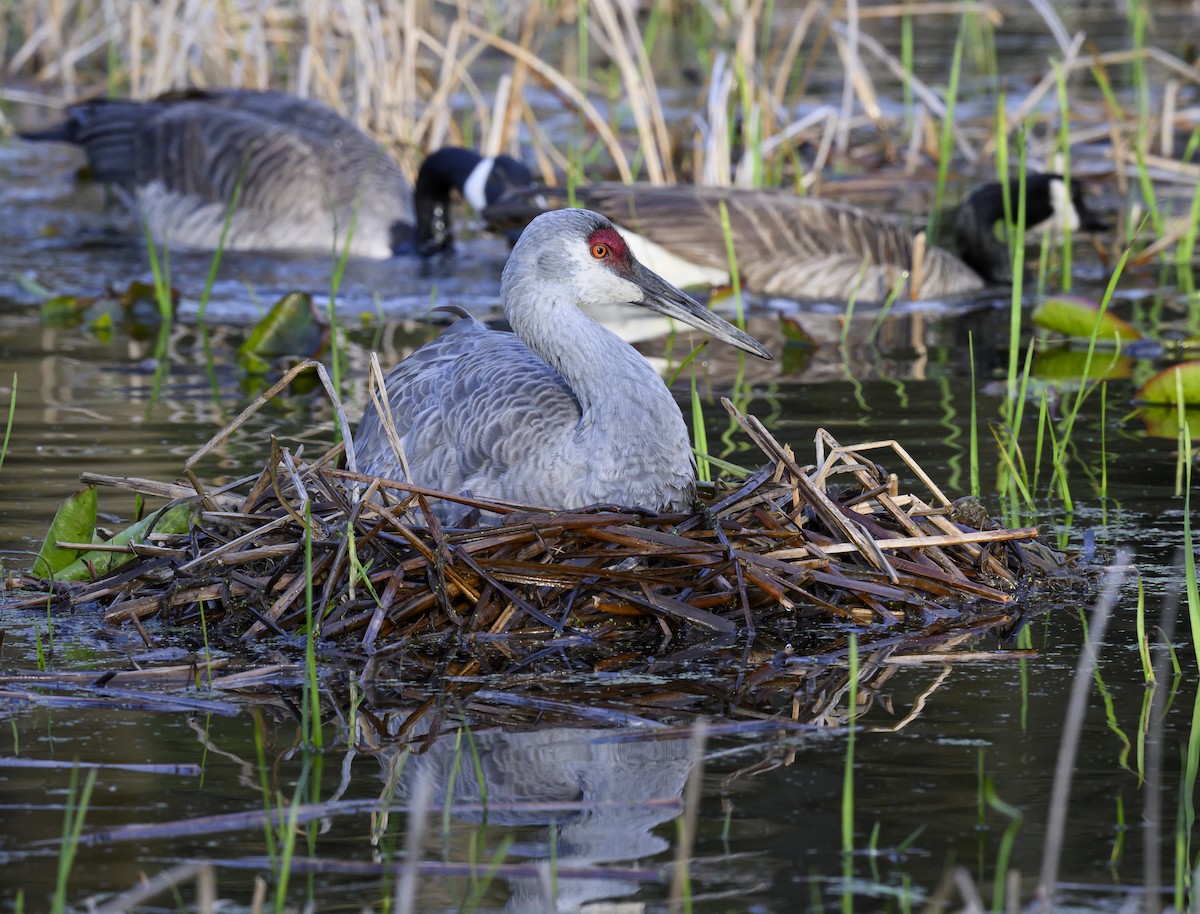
x=795 y=333
x=1171 y=383
x=74 y=522
x=290 y=328
x=1063 y=363
x=172 y=520
x=1076 y=317
x=65 y=310
x=1163 y=422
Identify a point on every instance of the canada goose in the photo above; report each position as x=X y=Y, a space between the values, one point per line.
x=801 y=247
x=303 y=176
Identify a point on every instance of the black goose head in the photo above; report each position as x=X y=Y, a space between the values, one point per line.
x=979 y=228
x=481 y=182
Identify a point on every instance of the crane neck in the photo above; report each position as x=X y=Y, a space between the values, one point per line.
x=605 y=373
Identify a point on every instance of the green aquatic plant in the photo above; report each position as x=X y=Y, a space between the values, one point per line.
x=78 y=800
x=946 y=138
x=311 y=716
x=1064 y=152
x=852 y=668
x=12 y=411
x=886 y=309
x=1189 y=551
x=214 y=265
x=289 y=824
x=1007 y=842
x=973 y=441
x=160 y=268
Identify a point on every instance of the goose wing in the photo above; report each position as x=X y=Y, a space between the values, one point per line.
x=207 y=149
x=475 y=411
x=788 y=245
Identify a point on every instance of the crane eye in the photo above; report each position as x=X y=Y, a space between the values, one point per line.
x=600 y=251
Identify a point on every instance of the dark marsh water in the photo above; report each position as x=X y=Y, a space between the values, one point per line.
x=769 y=835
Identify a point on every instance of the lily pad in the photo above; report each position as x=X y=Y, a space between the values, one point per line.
x=74 y=522
x=95 y=563
x=290 y=328
x=1163 y=422
x=1063 y=364
x=1172 y=384
x=66 y=310
x=1076 y=317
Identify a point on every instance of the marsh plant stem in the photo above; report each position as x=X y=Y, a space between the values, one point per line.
x=848 y=774
x=1072 y=727
x=12 y=411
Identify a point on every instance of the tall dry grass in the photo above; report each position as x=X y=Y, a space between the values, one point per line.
x=763 y=106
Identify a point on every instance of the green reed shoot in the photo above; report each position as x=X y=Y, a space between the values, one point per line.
x=552 y=857
x=735 y=280
x=289 y=826
x=215 y=264
x=1185 y=251
x=207 y=654
x=906 y=61
x=1138 y=12
x=699 y=435
x=472 y=903
x=1044 y=422
x=1119 y=831
x=1084 y=388
x=1187 y=806
x=1104 y=445
x=49 y=625
x=335 y=283
x=1146 y=184
x=1017 y=247
x=946 y=139
x=1064 y=151
x=1013 y=463
x=1143 y=638
x=312 y=706
x=161 y=270
x=974 y=434
x=76 y=812
x=264 y=783
x=451 y=783
x=893 y=294
x=848 y=772
x=12 y=411
x=852 y=299
x=477 y=767
x=1007 y=840
x=1189 y=551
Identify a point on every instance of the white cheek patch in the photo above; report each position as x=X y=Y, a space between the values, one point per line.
x=1064 y=216
x=671 y=267
x=475 y=187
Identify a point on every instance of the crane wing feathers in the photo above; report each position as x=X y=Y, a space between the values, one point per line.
x=467 y=407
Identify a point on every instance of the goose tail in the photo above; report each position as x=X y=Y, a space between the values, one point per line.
x=105 y=130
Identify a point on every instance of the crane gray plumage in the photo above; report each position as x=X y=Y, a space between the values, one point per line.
x=804 y=247
x=561 y=413
x=305 y=178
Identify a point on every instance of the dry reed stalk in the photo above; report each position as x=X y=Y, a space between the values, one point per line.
x=569 y=91
x=619 y=36
x=917 y=273
x=935 y=105
x=952 y=8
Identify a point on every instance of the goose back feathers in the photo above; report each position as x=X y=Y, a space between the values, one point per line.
x=303 y=177
x=803 y=247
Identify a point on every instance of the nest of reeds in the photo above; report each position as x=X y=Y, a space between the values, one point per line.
x=759 y=588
